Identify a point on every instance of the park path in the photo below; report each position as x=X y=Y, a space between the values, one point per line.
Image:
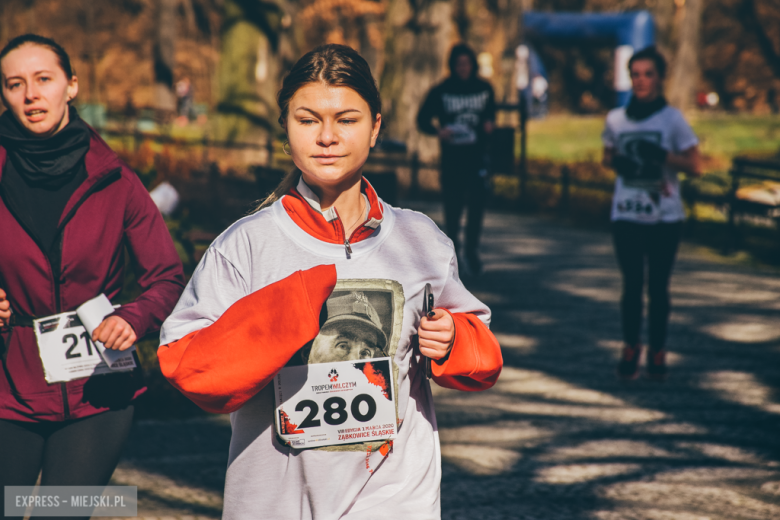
x=559 y=437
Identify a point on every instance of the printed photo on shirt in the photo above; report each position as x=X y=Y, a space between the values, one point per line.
x=646 y=176
x=360 y=321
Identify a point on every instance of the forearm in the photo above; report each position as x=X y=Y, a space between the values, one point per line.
x=687 y=163
x=426 y=126
x=474 y=361
x=606 y=159
x=147 y=312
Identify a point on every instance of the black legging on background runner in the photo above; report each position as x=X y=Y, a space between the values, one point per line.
x=462 y=186
x=658 y=243
x=81 y=452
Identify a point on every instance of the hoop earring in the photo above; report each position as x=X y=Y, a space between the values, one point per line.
x=286 y=143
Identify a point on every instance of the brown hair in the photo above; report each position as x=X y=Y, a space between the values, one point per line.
x=650 y=53
x=41 y=41
x=34 y=39
x=336 y=66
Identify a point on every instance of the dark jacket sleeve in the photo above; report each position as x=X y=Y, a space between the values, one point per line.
x=158 y=268
x=429 y=110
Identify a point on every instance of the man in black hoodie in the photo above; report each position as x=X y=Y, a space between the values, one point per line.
x=464 y=107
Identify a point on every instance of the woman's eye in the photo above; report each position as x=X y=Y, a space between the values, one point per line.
x=366 y=353
x=349 y=121
x=342 y=345
x=13 y=85
x=307 y=122
x=45 y=78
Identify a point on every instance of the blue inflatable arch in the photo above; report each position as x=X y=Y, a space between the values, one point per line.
x=629 y=32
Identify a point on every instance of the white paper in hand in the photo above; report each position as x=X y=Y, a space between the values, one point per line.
x=92 y=313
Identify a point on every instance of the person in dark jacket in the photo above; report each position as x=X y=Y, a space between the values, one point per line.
x=68 y=208
x=464 y=107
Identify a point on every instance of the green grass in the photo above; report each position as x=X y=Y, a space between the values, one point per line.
x=578 y=138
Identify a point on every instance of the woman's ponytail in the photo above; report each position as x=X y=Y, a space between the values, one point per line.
x=289 y=181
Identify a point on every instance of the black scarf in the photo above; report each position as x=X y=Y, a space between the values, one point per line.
x=46 y=163
x=42 y=174
x=639 y=110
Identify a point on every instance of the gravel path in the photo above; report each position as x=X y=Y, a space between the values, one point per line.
x=559 y=437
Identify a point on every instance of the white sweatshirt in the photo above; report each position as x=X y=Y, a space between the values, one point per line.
x=266 y=479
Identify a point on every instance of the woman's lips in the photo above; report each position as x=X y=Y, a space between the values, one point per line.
x=36 y=115
x=327 y=159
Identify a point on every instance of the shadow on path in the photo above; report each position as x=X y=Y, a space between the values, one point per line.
x=560 y=437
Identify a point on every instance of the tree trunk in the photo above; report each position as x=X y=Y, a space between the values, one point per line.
x=419 y=36
x=91 y=51
x=249 y=72
x=164 y=55
x=685 y=72
x=664 y=15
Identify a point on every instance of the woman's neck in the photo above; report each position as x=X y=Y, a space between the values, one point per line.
x=348 y=201
x=648 y=99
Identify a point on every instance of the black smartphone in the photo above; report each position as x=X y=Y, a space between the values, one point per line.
x=427 y=307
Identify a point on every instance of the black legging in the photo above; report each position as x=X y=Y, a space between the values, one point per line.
x=461 y=186
x=658 y=243
x=80 y=452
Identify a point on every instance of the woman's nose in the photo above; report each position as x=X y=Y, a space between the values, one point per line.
x=327 y=135
x=31 y=92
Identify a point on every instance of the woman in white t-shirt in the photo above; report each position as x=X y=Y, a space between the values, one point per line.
x=647 y=143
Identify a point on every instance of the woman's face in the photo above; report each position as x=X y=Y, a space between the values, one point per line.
x=645 y=81
x=36 y=90
x=330 y=130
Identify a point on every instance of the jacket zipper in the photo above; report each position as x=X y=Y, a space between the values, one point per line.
x=341 y=231
x=60 y=239
x=57 y=274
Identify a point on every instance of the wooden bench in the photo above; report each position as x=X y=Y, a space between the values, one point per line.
x=741 y=204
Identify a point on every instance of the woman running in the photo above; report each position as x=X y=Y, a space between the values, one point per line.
x=647 y=143
x=69 y=206
x=301 y=322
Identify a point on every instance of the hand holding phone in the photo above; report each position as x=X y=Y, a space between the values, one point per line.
x=436 y=331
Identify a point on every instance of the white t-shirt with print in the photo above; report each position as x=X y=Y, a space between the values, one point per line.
x=668 y=129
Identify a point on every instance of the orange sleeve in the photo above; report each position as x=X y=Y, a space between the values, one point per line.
x=222 y=366
x=474 y=362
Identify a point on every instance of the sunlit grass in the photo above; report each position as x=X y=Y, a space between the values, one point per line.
x=578 y=138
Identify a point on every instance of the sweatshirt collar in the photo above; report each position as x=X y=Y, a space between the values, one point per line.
x=303 y=206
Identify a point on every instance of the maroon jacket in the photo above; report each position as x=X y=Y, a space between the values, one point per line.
x=109 y=210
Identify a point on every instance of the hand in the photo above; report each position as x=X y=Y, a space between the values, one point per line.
x=436 y=334
x=445 y=134
x=5 y=309
x=115 y=333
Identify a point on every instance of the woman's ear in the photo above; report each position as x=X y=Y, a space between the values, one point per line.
x=375 y=129
x=73 y=88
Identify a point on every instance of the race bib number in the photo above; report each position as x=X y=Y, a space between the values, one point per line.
x=344 y=402
x=636 y=206
x=68 y=352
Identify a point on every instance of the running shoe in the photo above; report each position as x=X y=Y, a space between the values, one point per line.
x=656 y=364
x=628 y=368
